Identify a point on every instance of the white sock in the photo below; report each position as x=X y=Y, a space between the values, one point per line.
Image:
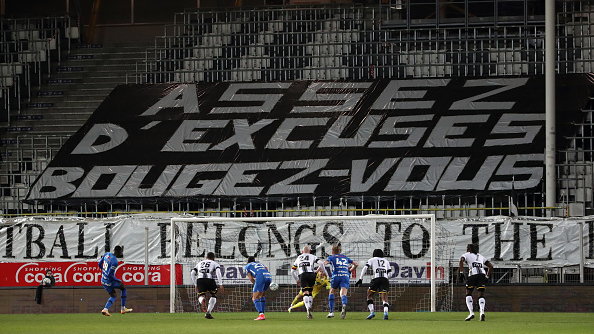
x=211 y=304
x=482 y=304
x=308 y=301
x=371 y=308
x=200 y=299
x=386 y=307
x=469 y=304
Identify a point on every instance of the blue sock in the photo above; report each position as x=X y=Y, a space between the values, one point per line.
x=257 y=305
x=344 y=300
x=262 y=304
x=124 y=296
x=110 y=302
x=331 y=303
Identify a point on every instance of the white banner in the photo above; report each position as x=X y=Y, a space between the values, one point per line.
x=505 y=241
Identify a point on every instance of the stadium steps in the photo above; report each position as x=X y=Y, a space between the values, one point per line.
x=67 y=103
x=94 y=95
x=65 y=100
x=106 y=76
x=576 y=172
x=91 y=92
x=80 y=114
x=63 y=127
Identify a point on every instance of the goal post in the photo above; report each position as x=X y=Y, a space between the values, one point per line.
x=276 y=241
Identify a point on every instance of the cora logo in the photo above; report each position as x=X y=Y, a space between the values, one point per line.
x=82 y=273
x=30 y=272
x=64 y=272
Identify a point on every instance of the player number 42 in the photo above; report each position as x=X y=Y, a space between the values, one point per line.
x=341 y=262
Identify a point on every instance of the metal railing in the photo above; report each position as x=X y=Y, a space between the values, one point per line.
x=446 y=206
x=356 y=43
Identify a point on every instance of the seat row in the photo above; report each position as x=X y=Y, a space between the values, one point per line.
x=27 y=49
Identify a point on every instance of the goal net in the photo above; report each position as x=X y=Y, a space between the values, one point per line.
x=419 y=251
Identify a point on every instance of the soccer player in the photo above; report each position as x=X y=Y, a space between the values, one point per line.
x=304 y=273
x=108 y=264
x=321 y=282
x=341 y=272
x=381 y=269
x=261 y=278
x=202 y=276
x=477 y=278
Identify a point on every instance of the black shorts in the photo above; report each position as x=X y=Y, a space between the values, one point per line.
x=308 y=280
x=477 y=281
x=206 y=285
x=380 y=285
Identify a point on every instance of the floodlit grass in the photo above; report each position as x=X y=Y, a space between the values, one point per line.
x=286 y=323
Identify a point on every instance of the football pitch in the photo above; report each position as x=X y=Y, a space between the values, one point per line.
x=286 y=323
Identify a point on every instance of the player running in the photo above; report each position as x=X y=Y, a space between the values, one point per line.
x=202 y=276
x=304 y=273
x=108 y=264
x=341 y=272
x=381 y=269
x=477 y=278
x=261 y=277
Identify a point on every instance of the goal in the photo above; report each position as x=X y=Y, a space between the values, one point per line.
x=419 y=251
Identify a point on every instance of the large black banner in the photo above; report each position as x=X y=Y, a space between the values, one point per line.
x=385 y=137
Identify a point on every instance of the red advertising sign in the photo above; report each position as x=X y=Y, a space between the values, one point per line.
x=82 y=274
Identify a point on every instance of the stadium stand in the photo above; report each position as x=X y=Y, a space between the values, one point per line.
x=357 y=43
x=55 y=85
x=288 y=43
x=30 y=50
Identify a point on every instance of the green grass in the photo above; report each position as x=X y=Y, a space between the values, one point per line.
x=285 y=323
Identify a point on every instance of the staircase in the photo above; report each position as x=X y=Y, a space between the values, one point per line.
x=57 y=110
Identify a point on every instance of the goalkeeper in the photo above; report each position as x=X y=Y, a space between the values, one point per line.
x=322 y=281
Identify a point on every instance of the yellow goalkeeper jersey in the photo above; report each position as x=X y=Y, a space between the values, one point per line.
x=321 y=281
